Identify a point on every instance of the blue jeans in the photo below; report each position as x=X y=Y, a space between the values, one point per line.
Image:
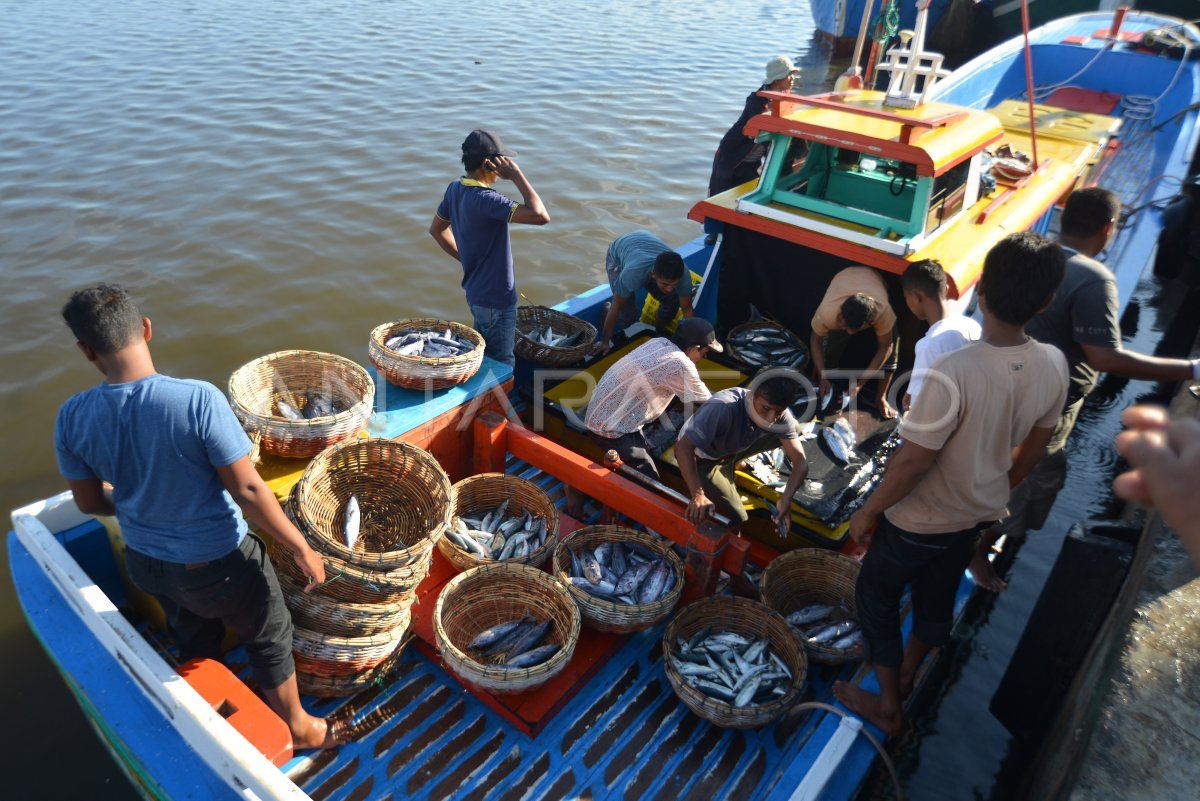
x=499 y=330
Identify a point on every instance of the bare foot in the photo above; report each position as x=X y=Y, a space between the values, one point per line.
x=984 y=574
x=320 y=733
x=869 y=706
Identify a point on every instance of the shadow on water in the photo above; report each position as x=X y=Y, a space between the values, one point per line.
x=954 y=747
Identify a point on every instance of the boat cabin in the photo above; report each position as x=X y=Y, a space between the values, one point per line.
x=888 y=179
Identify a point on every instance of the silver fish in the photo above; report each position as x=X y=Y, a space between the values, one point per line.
x=833 y=632
x=652 y=588
x=489 y=636
x=530 y=638
x=533 y=657
x=353 y=520
x=591 y=568
x=837 y=446
x=850 y=640
x=288 y=411
x=746 y=693
x=810 y=614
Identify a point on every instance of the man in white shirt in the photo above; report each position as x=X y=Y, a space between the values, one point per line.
x=924 y=285
x=639 y=387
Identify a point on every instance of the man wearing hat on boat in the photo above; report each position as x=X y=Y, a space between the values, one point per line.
x=733 y=425
x=639 y=387
x=738 y=156
x=178 y=463
x=855 y=301
x=471 y=225
x=640 y=260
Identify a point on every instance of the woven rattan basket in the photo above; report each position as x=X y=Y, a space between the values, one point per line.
x=493 y=593
x=721 y=613
x=337 y=686
x=255 y=389
x=530 y=318
x=419 y=372
x=485 y=492
x=349 y=582
x=320 y=654
x=766 y=326
x=320 y=613
x=813 y=576
x=604 y=615
x=403 y=495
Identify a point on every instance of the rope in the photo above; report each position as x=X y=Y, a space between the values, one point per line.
x=887 y=23
x=883 y=754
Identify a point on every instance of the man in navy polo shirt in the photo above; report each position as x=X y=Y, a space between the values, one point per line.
x=471 y=225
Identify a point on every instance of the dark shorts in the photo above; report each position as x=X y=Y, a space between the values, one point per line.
x=239 y=590
x=932 y=564
x=633 y=450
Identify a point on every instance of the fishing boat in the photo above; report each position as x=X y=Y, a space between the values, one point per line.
x=881 y=183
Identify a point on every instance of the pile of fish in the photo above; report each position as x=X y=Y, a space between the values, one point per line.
x=546 y=335
x=841 y=439
x=429 y=344
x=514 y=643
x=815 y=625
x=772 y=468
x=623 y=572
x=308 y=406
x=731 y=667
x=768 y=344
x=492 y=535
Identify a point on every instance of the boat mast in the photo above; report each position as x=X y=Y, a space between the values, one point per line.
x=852 y=77
x=1029 y=82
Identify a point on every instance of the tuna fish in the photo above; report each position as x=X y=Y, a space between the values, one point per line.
x=353 y=520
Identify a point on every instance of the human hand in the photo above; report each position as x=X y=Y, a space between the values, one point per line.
x=862 y=526
x=505 y=167
x=1165 y=458
x=699 y=508
x=599 y=348
x=783 y=514
x=310 y=565
x=823 y=387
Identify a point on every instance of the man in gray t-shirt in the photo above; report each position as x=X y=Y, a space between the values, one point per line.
x=732 y=425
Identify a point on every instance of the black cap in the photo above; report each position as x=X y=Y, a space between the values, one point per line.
x=691 y=332
x=484 y=143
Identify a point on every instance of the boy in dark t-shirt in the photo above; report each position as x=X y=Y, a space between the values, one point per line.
x=178 y=464
x=471 y=225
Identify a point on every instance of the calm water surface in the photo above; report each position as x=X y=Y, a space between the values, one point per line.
x=262 y=176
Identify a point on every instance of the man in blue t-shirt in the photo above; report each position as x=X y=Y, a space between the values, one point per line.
x=471 y=225
x=177 y=464
x=640 y=260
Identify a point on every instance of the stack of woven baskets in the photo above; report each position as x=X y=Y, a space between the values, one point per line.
x=350 y=630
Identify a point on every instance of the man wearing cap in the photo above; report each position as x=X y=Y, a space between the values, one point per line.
x=639 y=387
x=732 y=425
x=738 y=155
x=640 y=260
x=471 y=225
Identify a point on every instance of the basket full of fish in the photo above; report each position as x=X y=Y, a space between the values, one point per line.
x=425 y=353
x=296 y=403
x=813 y=590
x=552 y=338
x=499 y=517
x=623 y=580
x=375 y=503
x=764 y=343
x=733 y=662
x=505 y=627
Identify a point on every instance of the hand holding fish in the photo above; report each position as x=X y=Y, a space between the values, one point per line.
x=600 y=348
